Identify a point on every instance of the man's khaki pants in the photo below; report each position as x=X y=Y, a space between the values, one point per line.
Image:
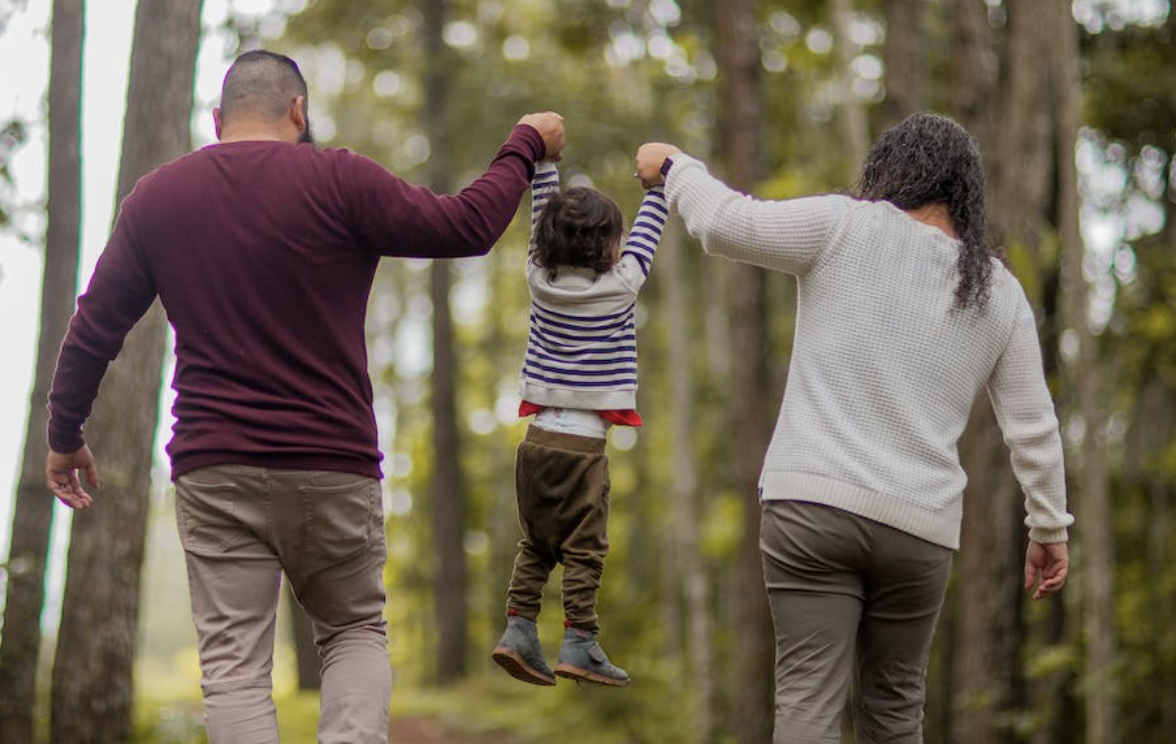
x=241 y=527
x=854 y=602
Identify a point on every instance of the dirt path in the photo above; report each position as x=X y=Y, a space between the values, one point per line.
x=422 y=730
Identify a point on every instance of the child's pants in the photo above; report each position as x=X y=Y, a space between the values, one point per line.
x=562 y=485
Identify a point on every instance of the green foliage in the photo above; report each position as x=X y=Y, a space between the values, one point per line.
x=623 y=72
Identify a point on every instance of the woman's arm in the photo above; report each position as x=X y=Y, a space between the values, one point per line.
x=786 y=235
x=1025 y=413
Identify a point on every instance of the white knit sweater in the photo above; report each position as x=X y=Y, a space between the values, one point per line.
x=884 y=369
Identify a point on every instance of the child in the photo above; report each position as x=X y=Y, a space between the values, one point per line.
x=579 y=377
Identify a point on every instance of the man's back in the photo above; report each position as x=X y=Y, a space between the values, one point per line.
x=263 y=254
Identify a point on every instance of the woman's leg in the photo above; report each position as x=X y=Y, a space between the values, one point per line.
x=907 y=582
x=811 y=556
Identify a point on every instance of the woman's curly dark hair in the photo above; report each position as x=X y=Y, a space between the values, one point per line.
x=579 y=227
x=929 y=158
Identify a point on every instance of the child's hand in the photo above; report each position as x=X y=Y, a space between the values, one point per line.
x=550 y=127
x=650 y=157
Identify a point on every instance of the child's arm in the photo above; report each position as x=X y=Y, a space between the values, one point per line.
x=641 y=244
x=544 y=185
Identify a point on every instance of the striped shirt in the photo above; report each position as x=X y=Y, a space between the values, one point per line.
x=582 y=346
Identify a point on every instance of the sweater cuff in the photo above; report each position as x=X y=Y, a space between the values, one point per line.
x=64 y=439
x=1047 y=535
x=528 y=140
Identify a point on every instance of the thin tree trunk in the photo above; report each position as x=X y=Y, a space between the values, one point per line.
x=853 y=113
x=975 y=76
x=689 y=566
x=904 y=58
x=1098 y=549
x=92 y=672
x=447 y=484
x=33 y=517
x=737 y=56
x=987 y=636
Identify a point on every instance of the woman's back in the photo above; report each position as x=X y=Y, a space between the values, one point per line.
x=885 y=369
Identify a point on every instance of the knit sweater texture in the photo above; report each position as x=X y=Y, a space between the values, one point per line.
x=582 y=344
x=263 y=255
x=884 y=368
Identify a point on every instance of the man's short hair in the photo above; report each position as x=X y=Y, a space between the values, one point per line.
x=260 y=84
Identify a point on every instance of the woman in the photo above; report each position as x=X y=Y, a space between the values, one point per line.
x=905 y=313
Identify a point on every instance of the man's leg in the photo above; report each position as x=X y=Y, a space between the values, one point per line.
x=233 y=580
x=907 y=584
x=810 y=556
x=331 y=539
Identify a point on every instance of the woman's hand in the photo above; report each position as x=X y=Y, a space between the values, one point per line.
x=650 y=157
x=1047 y=563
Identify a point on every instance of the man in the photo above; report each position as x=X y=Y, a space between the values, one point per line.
x=263 y=249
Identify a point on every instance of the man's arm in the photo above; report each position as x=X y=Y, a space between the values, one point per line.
x=119 y=293
x=399 y=219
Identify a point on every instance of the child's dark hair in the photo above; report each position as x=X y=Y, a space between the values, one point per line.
x=578 y=227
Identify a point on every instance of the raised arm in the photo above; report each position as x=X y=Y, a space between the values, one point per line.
x=641 y=245
x=544 y=185
x=396 y=218
x=787 y=236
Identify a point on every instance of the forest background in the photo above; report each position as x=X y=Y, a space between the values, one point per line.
x=1074 y=106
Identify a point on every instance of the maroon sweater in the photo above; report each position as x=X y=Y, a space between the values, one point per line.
x=263 y=254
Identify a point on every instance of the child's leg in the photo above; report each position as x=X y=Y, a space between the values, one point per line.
x=562 y=482
x=585 y=545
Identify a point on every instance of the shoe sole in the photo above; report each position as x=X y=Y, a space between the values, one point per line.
x=567 y=671
x=515 y=666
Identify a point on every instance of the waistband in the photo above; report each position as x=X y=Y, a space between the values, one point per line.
x=562 y=441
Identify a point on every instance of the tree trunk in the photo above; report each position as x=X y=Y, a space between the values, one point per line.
x=92 y=672
x=987 y=637
x=33 y=516
x=447 y=484
x=853 y=113
x=689 y=566
x=904 y=58
x=738 y=62
x=1098 y=549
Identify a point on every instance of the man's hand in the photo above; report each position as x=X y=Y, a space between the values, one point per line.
x=62 y=476
x=650 y=157
x=550 y=127
x=1049 y=563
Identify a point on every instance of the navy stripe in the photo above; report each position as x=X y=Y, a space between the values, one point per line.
x=583 y=372
x=575 y=358
x=560 y=351
x=551 y=323
x=554 y=336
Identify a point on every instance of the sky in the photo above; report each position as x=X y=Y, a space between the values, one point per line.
x=24 y=46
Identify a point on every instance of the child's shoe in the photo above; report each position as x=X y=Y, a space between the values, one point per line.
x=582 y=658
x=519 y=652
